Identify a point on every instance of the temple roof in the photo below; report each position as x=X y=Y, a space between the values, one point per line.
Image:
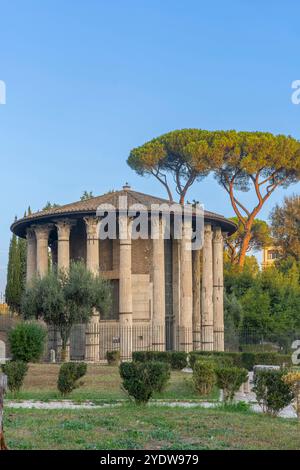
x=90 y=206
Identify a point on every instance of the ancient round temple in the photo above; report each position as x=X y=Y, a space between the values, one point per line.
x=165 y=296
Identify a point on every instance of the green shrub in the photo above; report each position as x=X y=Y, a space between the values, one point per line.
x=113 y=357
x=142 y=379
x=27 y=340
x=244 y=360
x=220 y=357
x=272 y=393
x=177 y=359
x=16 y=372
x=69 y=374
x=204 y=377
x=229 y=379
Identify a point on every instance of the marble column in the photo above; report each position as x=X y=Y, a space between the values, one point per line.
x=218 y=290
x=31 y=255
x=186 y=289
x=42 y=254
x=176 y=290
x=63 y=243
x=207 y=319
x=196 y=299
x=158 y=277
x=92 y=336
x=125 y=288
x=92 y=247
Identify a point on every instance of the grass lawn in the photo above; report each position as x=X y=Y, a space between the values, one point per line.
x=102 y=383
x=151 y=427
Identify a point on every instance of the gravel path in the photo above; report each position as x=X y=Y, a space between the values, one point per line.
x=287 y=412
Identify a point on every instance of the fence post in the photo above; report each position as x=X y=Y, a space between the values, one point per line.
x=3 y=388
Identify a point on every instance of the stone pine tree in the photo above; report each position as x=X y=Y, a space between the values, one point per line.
x=186 y=155
x=257 y=161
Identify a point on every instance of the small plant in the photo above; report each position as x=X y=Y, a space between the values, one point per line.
x=69 y=375
x=293 y=380
x=272 y=392
x=204 y=377
x=27 y=341
x=142 y=379
x=16 y=372
x=113 y=358
x=229 y=379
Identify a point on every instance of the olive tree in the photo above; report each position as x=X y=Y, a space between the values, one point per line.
x=65 y=298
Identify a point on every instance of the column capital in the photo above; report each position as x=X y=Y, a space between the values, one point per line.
x=91 y=224
x=30 y=234
x=42 y=231
x=158 y=226
x=125 y=228
x=64 y=228
x=218 y=236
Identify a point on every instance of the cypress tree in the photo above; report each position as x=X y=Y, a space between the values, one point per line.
x=13 y=288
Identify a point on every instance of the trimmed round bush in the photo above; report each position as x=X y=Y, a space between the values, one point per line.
x=229 y=379
x=16 y=372
x=204 y=377
x=273 y=393
x=69 y=375
x=142 y=379
x=27 y=341
x=113 y=358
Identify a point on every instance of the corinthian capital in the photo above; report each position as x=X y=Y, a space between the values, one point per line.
x=42 y=231
x=64 y=228
x=218 y=237
x=91 y=224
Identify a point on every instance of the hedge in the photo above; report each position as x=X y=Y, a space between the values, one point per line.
x=244 y=359
x=176 y=359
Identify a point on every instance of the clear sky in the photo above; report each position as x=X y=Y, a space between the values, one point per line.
x=88 y=80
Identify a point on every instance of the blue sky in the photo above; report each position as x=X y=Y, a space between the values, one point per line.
x=87 y=81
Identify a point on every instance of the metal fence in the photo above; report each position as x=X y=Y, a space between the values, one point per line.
x=250 y=339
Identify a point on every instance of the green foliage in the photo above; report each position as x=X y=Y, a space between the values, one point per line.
x=113 y=357
x=142 y=379
x=49 y=205
x=16 y=372
x=241 y=359
x=265 y=304
x=65 y=298
x=219 y=358
x=69 y=375
x=285 y=223
x=229 y=379
x=272 y=393
x=204 y=377
x=87 y=195
x=260 y=238
x=27 y=341
x=16 y=273
x=187 y=155
x=176 y=359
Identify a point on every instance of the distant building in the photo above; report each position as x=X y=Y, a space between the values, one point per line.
x=270 y=255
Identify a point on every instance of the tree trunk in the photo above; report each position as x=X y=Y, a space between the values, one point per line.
x=3 y=386
x=245 y=246
x=63 y=354
x=64 y=346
